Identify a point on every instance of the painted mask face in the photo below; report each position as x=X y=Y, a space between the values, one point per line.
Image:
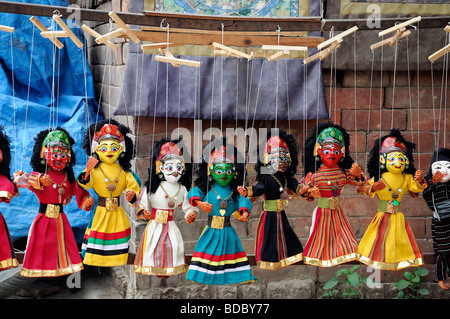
x=57 y=157
x=444 y=168
x=279 y=160
x=172 y=169
x=108 y=151
x=330 y=154
x=222 y=173
x=395 y=162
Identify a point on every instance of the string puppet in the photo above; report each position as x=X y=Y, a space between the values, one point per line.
x=219 y=257
x=108 y=172
x=161 y=251
x=388 y=242
x=8 y=190
x=328 y=167
x=437 y=197
x=277 y=245
x=51 y=247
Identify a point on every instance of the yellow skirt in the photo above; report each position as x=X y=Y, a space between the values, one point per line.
x=389 y=243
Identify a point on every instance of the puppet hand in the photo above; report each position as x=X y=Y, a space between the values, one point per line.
x=88 y=203
x=21 y=179
x=378 y=186
x=418 y=177
x=244 y=216
x=437 y=177
x=355 y=170
x=130 y=195
x=90 y=164
x=303 y=190
x=67 y=200
x=206 y=207
x=190 y=218
x=241 y=190
x=45 y=180
x=314 y=192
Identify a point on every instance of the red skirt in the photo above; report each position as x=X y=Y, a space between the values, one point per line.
x=51 y=249
x=7 y=256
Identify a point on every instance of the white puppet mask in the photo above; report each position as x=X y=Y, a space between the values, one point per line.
x=443 y=167
x=172 y=169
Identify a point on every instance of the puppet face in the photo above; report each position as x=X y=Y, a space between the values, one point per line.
x=279 y=159
x=395 y=162
x=57 y=157
x=108 y=150
x=222 y=173
x=330 y=154
x=172 y=169
x=444 y=168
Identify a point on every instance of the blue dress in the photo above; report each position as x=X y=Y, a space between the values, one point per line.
x=218 y=257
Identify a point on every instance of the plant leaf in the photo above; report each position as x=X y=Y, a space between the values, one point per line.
x=408 y=275
x=402 y=284
x=341 y=272
x=353 y=278
x=354 y=268
x=331 y=283
x=421 y=272
x=423 y=291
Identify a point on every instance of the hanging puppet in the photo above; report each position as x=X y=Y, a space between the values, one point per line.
x=7 y=191
x=277 y=245
x=161 y=250
x=218 y=257
x=108 y=172
x=388 y=242
x=51 y=248
x=437 y=197
x=328 y=167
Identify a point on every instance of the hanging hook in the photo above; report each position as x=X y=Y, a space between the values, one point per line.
x=161 y=24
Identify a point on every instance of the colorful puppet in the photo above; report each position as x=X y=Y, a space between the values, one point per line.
x=388 y=242
x=218 y=257
x=277 y=245
x=161 y=251
x=7 y=191
x=51 y=248
x=437 y=197
x=108 y=173
x=328 y=167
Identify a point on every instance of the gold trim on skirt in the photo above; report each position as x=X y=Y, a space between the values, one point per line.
x=9 y=263
x=331 y=262
x=150 y=270
x=268 y=265
x=390 y=266
x=51 y=273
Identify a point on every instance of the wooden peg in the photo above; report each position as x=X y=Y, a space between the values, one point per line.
x=399 y=26
x=122 y=30
x=68 y=32
x=6 y=29
x=400 y=33
x=283 y=51
x=388 y=41
x=341 y=35
x=230 y=51
x=169 y=58
x=436 y=55
x=96 y=35
x=42 y=28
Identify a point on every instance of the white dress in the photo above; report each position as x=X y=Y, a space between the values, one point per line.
x=161 y=251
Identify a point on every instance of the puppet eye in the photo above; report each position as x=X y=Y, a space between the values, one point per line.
x=327 y=152
x=219 y=171
x=229 y=172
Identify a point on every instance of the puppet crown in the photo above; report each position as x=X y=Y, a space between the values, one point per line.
x=56 y=137
x=327 y=136
x=169 y=150
x=108 y=131
x=219 y=155
x=391 y=144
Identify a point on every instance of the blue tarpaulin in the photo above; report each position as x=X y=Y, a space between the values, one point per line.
x=42 y=87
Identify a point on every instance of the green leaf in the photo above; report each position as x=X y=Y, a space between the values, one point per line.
x=341 y=272
x=353 y=278
x=354 y=268
x=402 y=284
x=423 y=291
x=408 y=275
x=331 y=283
x=421 y=272
x=400 y=294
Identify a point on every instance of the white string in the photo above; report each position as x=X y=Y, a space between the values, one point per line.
x=381 y=101
x=409 y=91
x=167 y=81
x=393 y=84
x=354 y=80
x=287 y=94
x=13 y=101
x=418 y=95
x=276 y=89
x=370 y=107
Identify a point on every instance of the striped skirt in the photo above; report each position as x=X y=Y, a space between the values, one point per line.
x=440 y=231
x=331 y=241
x=105 y=241
x=7 y=255
x=161 y=251
x=277 y=245
x=219 y=259
x=389 y=243
x=51 y=248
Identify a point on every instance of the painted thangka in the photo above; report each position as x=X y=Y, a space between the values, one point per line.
x=205 y=91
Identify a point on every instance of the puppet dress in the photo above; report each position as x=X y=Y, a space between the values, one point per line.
x=389 y=242
x=161 y=251
x=7 y=255
x=277 y=245
x=51 y=247
x=332 y=240
x=218 y=257
x=437 y=197
x=105 y=241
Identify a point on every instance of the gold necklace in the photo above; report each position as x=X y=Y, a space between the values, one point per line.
x=171 y=203
x=60 y=187
x=394 y=194
x=223 y=204
x=335 y=187
x=282 y=189
x=111 y=187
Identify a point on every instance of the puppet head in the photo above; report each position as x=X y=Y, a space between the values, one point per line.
x=53 y=150
x=109 y=142
x=276 y=154
x=327 y=144
x=222 y=164
x=5 y=154
x=440 y=161
x=391 y=153
x=170 y=161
